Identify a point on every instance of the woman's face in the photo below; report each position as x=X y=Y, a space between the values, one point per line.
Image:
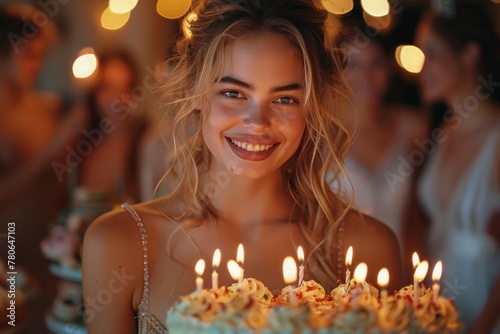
x=442 y=71
x=115 y=81
x=367 y=71
x=256 y=122
x=25 y=64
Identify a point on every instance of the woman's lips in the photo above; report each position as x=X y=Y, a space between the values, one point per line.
x=251 y=151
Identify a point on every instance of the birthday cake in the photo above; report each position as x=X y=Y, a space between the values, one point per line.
x=249 y=307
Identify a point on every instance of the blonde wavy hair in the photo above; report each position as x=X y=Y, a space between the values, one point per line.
x=199 y=63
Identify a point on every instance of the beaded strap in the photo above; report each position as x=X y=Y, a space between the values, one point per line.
x=144 y=305
x=340 y=250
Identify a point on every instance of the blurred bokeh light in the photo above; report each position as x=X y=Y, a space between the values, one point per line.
x=338 y=7
x=113 y=21
x=376 y=8
x=173 y=9
x=410 y=58
x=85 y=64
x=122 y=6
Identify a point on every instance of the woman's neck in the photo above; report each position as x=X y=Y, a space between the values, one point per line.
x=244 y=201
x=474 y=115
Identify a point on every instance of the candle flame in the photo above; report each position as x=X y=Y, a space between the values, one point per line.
x=415 y=259
x=300 y=255
x=348 y=257
x=360 y=272
x=216 y=259
x=383 y=277
x=438 y=270
x=200 y=267
x=289 y=270
x=234 y=269
x=240 y=255
x=421 y=270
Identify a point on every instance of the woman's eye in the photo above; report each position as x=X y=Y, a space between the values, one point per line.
x=286 y=100
x=232 y=94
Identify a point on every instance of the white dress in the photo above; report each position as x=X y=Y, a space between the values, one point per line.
x=373 y=195
x=458 y=237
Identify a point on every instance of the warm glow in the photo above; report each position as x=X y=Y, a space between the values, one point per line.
x=438 y=270
x=348 y=257
x=300 y=255
x=122 y=6
x=113 y=21
x=338 y=7
x=383 y=277
x=415 y=260
x=200 y=267
x=173 y=9
x=410 y=58
x=360 y=272
x=376 y=8
x=85 y=65
x=234 y=269
x=289 y=270
x=240 y=255
x=421 y=270
x=186 y=24
x=379 y=23
x=216 y=259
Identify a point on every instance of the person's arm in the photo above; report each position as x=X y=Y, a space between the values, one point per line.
x=112 y=271
x=23 y=177
x=490 y=314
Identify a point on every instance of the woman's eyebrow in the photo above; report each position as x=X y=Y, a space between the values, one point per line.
x=234 y=81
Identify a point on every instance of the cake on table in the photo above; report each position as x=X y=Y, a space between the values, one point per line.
x=249 y=307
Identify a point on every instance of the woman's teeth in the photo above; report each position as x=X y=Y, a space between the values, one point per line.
x=251 y=147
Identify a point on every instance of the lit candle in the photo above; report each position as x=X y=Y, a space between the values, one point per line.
x=348 y=262
x=300 y=256
x=359 y=276
x=415 y=260
x=234 y=270
x=290 y=275
x=436 y=276
x=289 y=270
x=215 y=266
x=419 y=275
x=199 y=269
x=383 y=281
x=240 y=258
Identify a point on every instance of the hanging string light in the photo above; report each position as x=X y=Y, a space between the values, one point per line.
x=338 y=7
x=113 y=21
x=85 y=64
x=376 y=8
x=410 y=58
x=173 y=9
x=122 y=6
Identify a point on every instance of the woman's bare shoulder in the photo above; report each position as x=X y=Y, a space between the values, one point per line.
x=121 y=224
x=375 y=243
x=359 y=225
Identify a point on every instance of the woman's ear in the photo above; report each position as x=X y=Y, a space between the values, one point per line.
x=470 y=56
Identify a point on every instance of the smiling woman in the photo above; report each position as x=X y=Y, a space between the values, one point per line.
x=257 y=105
x=259 y=120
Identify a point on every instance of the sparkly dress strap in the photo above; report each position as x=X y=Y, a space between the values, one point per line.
x=340 y=249
x=144 y=304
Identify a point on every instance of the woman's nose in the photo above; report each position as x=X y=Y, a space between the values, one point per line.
x=258 y=114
